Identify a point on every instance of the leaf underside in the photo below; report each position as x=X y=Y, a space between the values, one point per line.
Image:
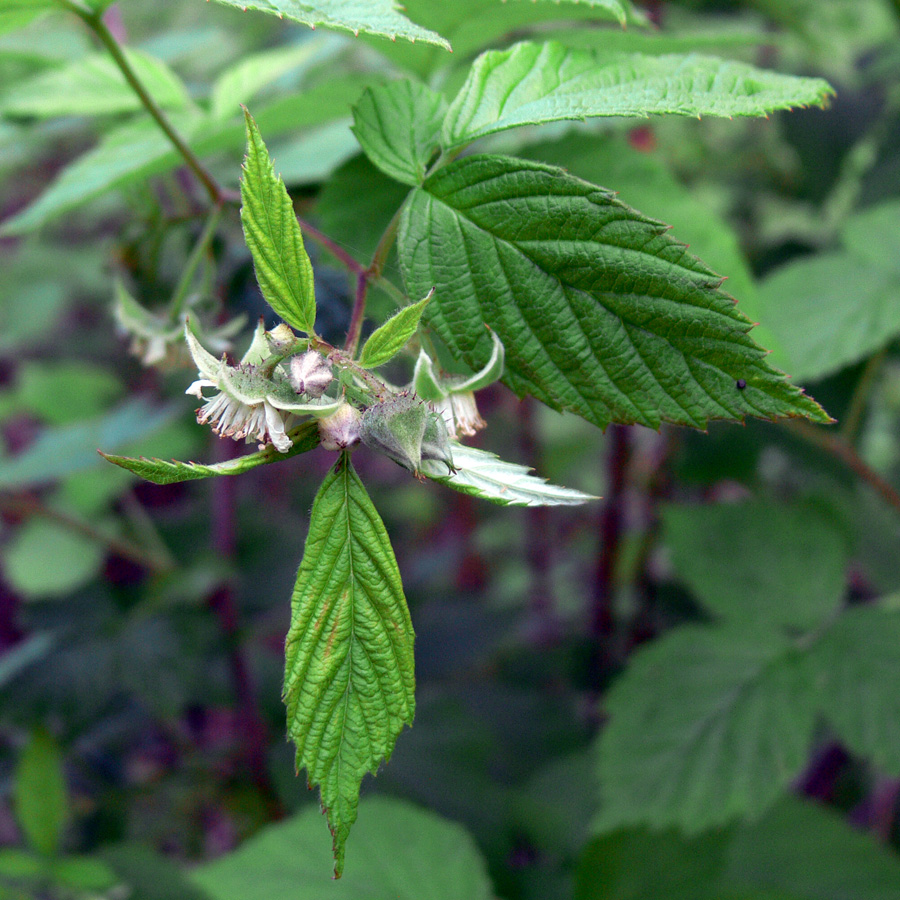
x=378 y=17
x=532 y=83
x=349 y=683
x=601 y=312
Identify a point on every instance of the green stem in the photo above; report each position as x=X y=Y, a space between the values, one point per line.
x=376 y=267
x=860 y=399
x=187 y=276
x=357 y=316
x=94 y=21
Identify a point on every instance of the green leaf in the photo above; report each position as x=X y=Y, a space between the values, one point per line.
x=835 y=309
x=667 y=756
x=389 y=339
x=485 y=475
x=349 y=683
x=136 y=151
x=378 y=17
x=857 y=664
x=240 y=83
x=95 y=86
x=533 y=83
x=149 y=875
x=159 y=471
x=20 y=865
x=41 y=801
x=398 y=126
x=600 y=311
x=400 y=851
x=84 y=873
x=273 y=235
x=759 y=562
x=43 y=461
x=312 y=157
x=46 y=559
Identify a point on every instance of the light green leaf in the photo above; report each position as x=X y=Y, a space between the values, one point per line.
x=19 y=13
x=273 y=235
x=240 y=83
x=857 y=664
x=533 y=83
x=84 y=873
x=400 y=852
x=139 y=150
x=349 y=685
x=835 y=309
x=667 y=756
x=760 y=562
x=159 y=471
x=389 y=339
x=398 y=126
x=601 y=312
x=41 y=800
x=312 y=157
x=95 y=86
x=45 y=459
x=45 y=559
x=485 y=475
x=378 y=17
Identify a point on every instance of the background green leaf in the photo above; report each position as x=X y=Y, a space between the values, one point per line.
x=273 y=235
x=41 y=799
x=666 y=756
x=759 y=562
x=532 y=83
x=600 y=311
x=349 y=684
x=399 y=851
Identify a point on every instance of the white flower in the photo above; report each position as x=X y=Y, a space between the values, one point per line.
x=452 y=396
x=250 y=404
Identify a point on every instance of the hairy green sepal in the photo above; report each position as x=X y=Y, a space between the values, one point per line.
x=349 y=682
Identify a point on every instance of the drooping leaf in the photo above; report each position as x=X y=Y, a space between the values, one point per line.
x=379 y=17
x=349 y=682
x=485 y=475
x=41 y=799
x=398 y=126
x=857 y=664
x=389 y=339
x=399 y=851
x=95 y=86
x=834 y=309
x=138 y=150
x=759 y=562
x=532 y=83
x=160 y=471
x=273 y=235
x=600 y=311
x=667 y=755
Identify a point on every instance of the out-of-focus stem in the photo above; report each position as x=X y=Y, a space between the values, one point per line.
x=187 y=276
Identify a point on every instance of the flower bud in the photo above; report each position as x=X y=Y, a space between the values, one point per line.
x=340 y=431
x=396 y=428
x=311 y=373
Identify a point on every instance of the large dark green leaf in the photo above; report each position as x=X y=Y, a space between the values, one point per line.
x=600 y=310
x=349 y=684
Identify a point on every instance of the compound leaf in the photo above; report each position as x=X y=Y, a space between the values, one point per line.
x=273 y=235
x=398 y=126
x=667 y=756
x=378 y=17
x=600 y=311
x=485 y=475
x=532 y=83
x=349 y=685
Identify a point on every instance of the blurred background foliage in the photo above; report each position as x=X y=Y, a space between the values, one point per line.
x=142 y=627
